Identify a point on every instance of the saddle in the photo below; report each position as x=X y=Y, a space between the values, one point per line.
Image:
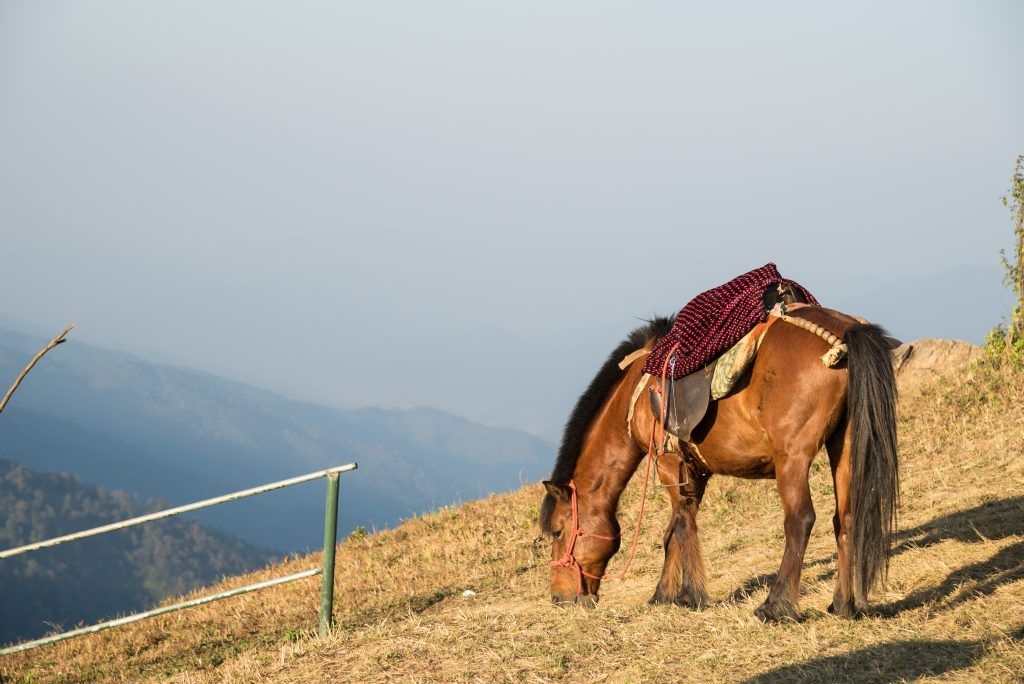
x=688 y=397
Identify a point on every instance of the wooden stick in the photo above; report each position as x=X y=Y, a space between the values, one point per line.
x=53 y=343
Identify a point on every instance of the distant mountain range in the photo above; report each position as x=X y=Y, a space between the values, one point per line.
x=962 y=303
x=158 y=431
x=529 y=378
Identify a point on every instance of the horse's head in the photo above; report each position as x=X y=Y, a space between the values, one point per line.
x=584 y=536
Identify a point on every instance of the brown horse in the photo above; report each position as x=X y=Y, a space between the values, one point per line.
x=786 y=407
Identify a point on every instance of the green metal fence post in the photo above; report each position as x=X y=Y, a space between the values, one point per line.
x=330 y=544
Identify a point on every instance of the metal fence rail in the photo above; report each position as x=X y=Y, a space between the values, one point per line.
x=326 y=571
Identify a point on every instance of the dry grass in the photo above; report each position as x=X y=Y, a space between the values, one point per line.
x=953 y=609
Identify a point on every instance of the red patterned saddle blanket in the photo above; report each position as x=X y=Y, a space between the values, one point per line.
x=715 y=320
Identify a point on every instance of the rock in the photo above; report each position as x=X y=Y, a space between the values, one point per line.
x=921 y=361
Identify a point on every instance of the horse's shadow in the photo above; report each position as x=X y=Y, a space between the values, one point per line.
x=893 y=661
x=990 y=521
x=996 y=519
x=914 y=658
x=984 y=523
x=766 y=579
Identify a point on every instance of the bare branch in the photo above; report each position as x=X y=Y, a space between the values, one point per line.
x=53 y=343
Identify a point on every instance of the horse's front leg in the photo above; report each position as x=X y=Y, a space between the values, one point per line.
x=798 y=512
x=682 y=577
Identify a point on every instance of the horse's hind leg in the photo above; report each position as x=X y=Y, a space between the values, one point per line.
x=683 y=576
x=844 y=603
x=798 y=509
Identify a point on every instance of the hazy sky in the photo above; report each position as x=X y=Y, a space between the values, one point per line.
x=466 y=204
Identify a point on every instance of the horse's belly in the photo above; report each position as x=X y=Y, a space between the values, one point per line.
x=751 y=466
x=735 y=444
x=733 y=439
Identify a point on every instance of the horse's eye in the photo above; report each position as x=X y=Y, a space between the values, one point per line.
x=556 y=533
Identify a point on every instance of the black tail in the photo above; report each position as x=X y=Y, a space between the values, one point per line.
x=875 y=486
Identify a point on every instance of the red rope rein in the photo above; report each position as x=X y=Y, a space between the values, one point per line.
x=655 y=449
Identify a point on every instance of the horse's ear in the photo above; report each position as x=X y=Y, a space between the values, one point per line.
x=560 y=491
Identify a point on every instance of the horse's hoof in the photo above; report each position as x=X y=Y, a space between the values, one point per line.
x=691 y=599
x=777 y=612
x=846 y=610
x=660 y=599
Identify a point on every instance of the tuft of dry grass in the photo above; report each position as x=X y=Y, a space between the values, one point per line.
x=953 y=608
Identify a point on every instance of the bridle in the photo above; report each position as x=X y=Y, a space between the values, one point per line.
x=568 y=560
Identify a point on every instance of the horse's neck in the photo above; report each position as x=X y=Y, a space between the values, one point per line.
x=610 y=454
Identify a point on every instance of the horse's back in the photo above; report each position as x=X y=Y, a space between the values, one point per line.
x=789 y=402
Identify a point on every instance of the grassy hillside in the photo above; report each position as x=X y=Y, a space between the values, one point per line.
x=953 y=608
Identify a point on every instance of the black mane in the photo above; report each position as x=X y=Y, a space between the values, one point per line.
x=588 y=405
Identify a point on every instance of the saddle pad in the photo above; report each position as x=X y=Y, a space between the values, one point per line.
x=734 y=363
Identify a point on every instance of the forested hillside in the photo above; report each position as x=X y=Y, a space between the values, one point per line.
x=97 y=577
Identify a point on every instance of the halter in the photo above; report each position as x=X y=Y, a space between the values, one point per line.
x=654 y=450
x=569 y=560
